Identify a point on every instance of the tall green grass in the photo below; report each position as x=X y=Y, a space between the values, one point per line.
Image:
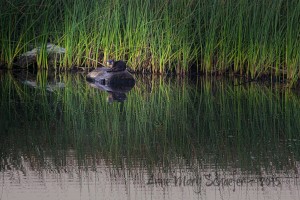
x=248 y=37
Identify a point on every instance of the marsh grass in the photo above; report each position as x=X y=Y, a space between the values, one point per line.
x=247 y=37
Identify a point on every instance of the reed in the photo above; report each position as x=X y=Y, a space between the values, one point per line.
x=247 y=37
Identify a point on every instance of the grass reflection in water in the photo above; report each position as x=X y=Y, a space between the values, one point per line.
x=163 y=123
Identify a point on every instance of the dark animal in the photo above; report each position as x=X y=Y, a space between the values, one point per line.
x=117 y=66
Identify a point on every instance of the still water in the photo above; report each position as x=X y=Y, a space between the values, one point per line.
x=165 y=138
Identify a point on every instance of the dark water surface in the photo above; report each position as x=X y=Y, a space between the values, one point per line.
x=62 y=138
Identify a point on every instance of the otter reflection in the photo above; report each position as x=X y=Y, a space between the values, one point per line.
x=116 y=92
x=116 y=97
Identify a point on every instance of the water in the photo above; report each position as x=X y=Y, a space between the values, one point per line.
x=62 y=138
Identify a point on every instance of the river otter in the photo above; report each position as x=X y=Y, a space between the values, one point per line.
x=117 y=66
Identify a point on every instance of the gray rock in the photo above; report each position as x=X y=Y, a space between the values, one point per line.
x=104 y=76
x=54 y=53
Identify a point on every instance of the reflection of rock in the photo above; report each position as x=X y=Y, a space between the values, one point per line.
x=2 y=64
x=52 y=86
x=53 y=51
x=30 y=79
x=115 y=83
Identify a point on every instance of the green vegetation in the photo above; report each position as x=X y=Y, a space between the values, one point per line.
x=209 y=122
x=252 y=38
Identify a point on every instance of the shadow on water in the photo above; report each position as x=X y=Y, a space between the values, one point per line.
x=169 y=137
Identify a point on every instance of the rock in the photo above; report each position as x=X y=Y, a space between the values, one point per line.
x=50 y=49
x=103 y=76
x=29 y=57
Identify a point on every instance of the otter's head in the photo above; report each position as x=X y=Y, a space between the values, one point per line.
x=110 y=63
